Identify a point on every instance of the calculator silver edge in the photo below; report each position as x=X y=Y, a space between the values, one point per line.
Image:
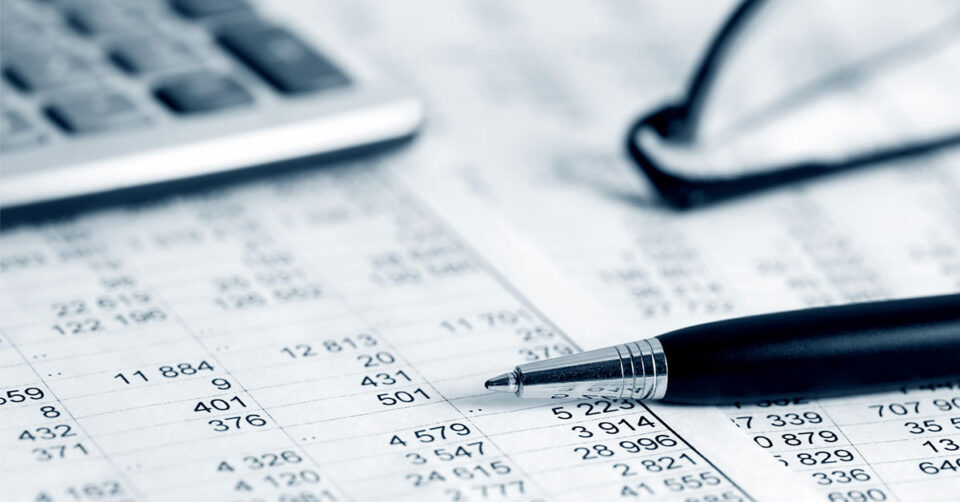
x=127 y=160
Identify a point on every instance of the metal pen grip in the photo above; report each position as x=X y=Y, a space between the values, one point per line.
x=631 y=370
x=644 y=369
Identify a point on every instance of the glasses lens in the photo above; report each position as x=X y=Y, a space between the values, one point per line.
x=821 y=81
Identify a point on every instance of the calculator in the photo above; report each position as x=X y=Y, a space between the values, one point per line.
x=100 y=95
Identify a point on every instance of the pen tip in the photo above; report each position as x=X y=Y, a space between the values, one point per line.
x=506 y=382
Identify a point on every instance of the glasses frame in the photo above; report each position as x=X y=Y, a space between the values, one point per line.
x=678 y=122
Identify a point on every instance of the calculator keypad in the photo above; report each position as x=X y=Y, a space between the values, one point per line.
x=84 y=66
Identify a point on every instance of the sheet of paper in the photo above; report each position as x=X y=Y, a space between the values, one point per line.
x=321 y=337
x=534 y=99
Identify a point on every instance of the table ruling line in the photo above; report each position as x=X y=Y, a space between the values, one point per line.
x=271 y=386
x=80 y=426
x=421 y=206
x=670 y=428
x=294 y=442
x=147 y=450
x=515 y=431
x=408 y=198
x=926 y=436
x=840 y=428
x=107 y=351
x=373 y=329
x=830 y=286
x=196 y=340
x=589 y=486
x=250 y=369
x=855 y=448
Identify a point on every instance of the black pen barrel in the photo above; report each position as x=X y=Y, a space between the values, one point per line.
x=821 y=351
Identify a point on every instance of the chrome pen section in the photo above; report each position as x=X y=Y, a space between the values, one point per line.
x=631 y=370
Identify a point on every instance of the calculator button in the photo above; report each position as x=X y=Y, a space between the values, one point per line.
x=202 y=92
x=96 y=112
x=37 y=71
x=281 y=58
x=140 y=56
x=196 y=9
x=16 y=132
x=96 y=20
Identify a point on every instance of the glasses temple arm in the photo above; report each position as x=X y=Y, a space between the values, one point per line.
x=703 y=78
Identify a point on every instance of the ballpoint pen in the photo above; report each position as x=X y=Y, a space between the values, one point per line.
x=818 y=351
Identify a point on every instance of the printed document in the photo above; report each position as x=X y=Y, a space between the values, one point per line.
x=534 y=98
x=320 y=337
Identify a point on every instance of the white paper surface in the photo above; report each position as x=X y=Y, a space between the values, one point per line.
x=317 y=337
x=530 y=104
x=130 y=339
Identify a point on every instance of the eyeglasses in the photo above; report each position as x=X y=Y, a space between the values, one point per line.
x=668 y=146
